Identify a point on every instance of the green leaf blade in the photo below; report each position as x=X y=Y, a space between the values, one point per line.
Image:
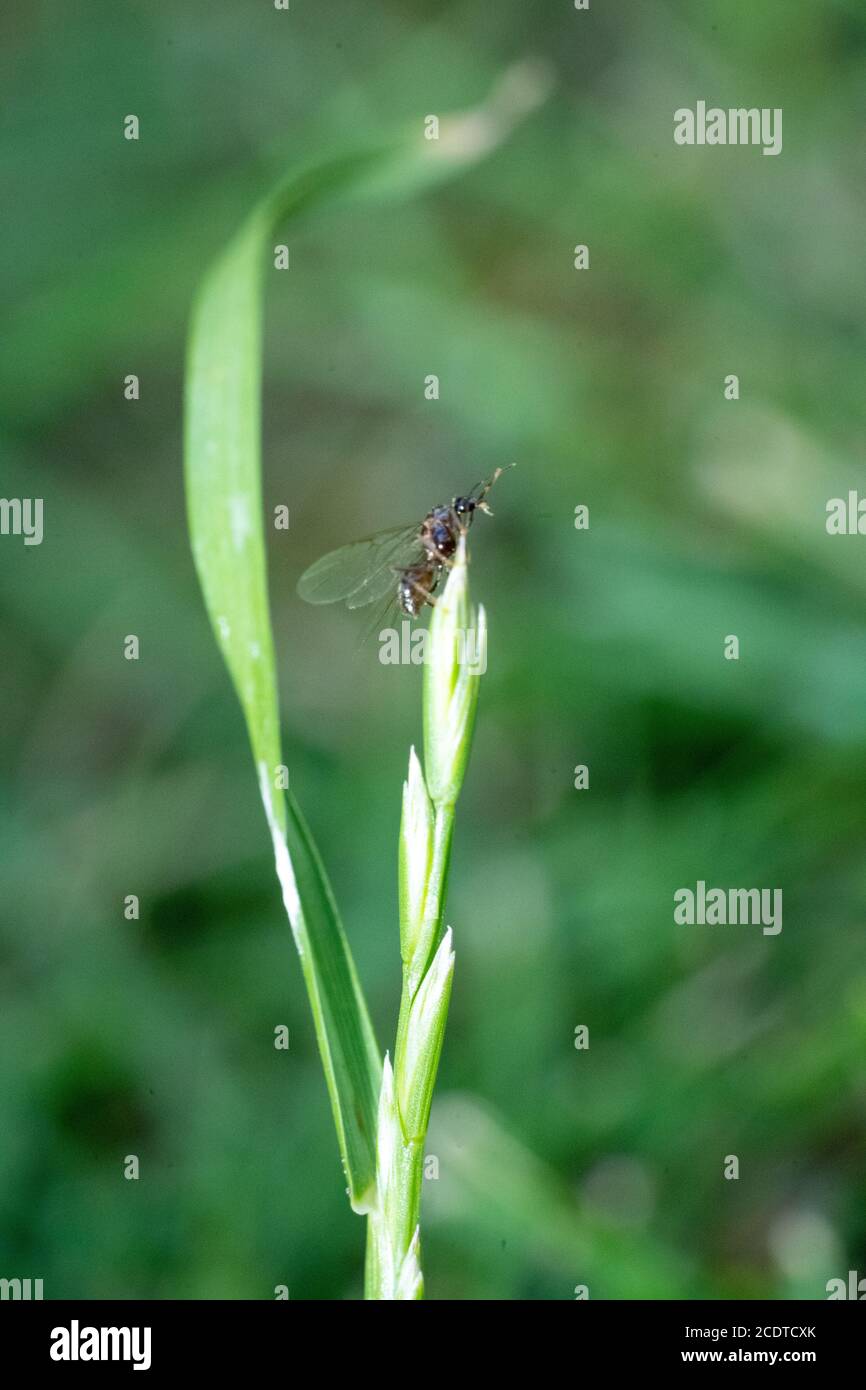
x=223 y=481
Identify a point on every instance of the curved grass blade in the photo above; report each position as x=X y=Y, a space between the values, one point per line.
x=223 y=480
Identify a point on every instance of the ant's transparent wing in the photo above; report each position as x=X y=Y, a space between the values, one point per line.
x=385 y=614
x=360 y=573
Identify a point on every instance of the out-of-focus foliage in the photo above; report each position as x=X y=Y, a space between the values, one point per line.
x=556 y=1166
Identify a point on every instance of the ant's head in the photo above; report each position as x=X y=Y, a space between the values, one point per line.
x=464 y=506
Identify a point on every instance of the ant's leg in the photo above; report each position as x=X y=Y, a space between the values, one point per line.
x=443 y=561
x=446 y=560
x=422 y=592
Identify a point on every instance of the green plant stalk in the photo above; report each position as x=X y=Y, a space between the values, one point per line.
x=393 y=1268
x=222 y=465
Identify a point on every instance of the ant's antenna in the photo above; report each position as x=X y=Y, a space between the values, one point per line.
x=484 y=488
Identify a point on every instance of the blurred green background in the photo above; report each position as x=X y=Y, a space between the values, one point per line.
x=557 y=1167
